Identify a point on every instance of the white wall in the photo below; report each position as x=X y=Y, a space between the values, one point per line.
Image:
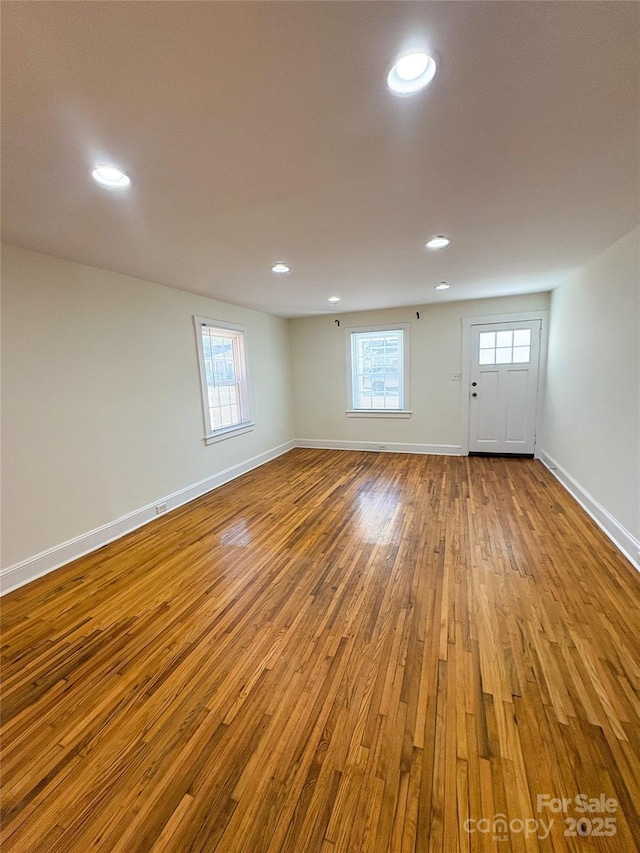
x=101 y=401
x=592 y=412
x=102 y=410
x=320 y=384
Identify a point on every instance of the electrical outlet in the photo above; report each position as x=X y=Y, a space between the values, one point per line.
x=456 y=377
x=161 y=508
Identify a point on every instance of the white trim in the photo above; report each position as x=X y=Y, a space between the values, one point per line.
x=41 y=564
x=47 y=561
x=242 y=363
x=382 y=327
x=381 y=446
x=619 y=535
x=218 y=324
x=467 y=323
x=405 y=328
x=378 y=413
x=220 y=435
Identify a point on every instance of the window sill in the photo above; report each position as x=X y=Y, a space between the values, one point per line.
x=220 y=435
x=377 y=413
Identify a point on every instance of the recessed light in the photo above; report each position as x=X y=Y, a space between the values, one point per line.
x=443 y=286
x=439 y=242
x=333 y=299
x=111 y=176
x=411 y=72
x=280 y=268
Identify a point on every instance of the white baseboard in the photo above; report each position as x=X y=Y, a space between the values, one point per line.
x=620 y=536
x=41 y=564
x=381 y=446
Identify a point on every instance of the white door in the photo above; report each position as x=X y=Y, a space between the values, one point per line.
x=504 y=387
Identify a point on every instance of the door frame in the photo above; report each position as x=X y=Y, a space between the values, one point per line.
x=516 y=317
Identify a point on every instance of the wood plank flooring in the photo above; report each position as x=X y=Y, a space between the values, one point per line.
x=339 y=651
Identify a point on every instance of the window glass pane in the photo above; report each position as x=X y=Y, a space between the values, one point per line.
x=503 y=355
x=487 y=340
x=521 y=354
x=487 y=356
x=504 y=339
x=377 y=376
x=522 y=337
x=223 y=356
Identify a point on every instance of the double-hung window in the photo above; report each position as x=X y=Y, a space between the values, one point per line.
x=378 y=371
x=223 y=374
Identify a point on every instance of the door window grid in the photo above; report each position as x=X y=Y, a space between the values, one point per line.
x=511 y=346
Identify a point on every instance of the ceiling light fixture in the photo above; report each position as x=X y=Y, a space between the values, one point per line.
x=443 y=286
x=333 y=299
x=280 y=268
x=411 y=72
x=111 y=176
x=439 y=242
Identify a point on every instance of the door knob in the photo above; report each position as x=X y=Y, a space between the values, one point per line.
x=474 y=394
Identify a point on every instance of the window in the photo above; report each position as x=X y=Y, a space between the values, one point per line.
x=223 y=372
x=508 y=347
x=378 y=370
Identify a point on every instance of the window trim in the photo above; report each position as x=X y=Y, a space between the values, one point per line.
x=405 y=412
x=211 y=435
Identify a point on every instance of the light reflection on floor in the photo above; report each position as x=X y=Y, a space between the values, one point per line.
x=376 y=515
x=238 y=534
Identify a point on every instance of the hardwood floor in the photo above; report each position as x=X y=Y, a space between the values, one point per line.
x=340 y=651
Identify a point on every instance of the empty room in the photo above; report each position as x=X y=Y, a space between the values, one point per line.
x=320 y=426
